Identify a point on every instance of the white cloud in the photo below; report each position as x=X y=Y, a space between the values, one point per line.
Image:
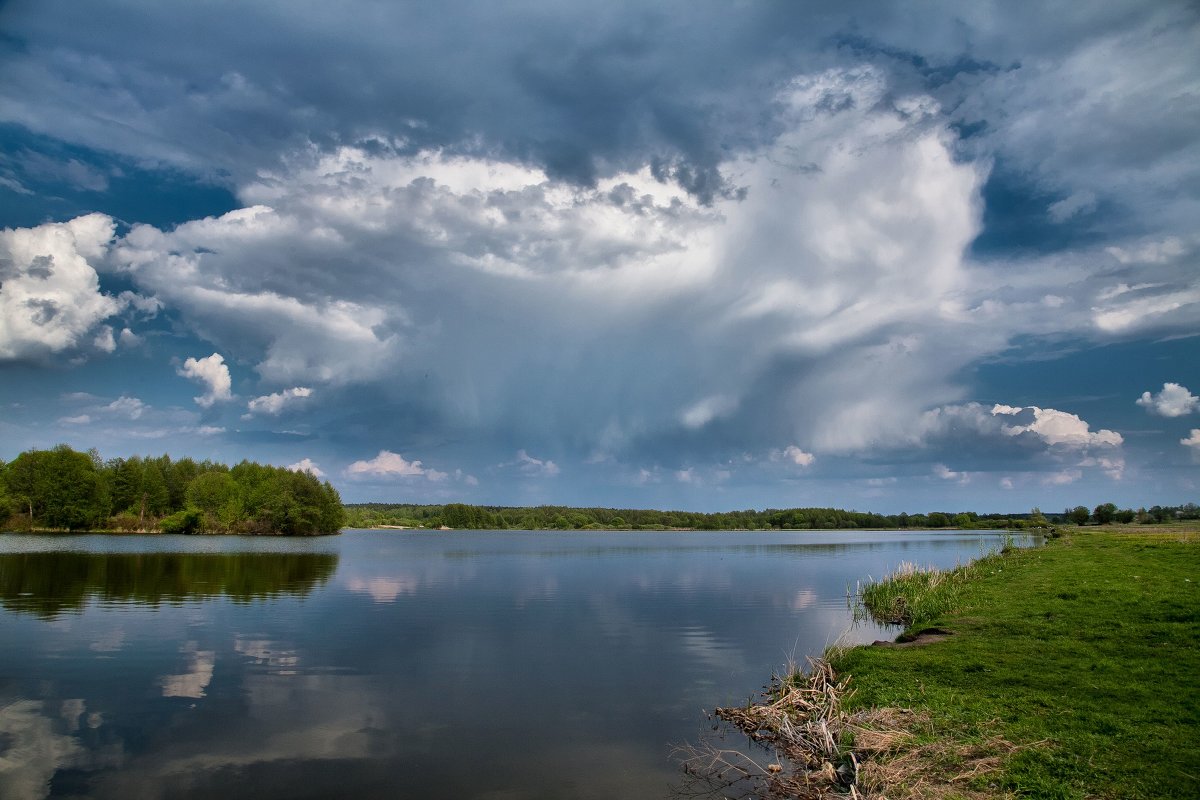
x=80 y=419
x=1192 y=440
x=1113 y=465
x=1062 y=428
x=1173 y=401
x=212 y=372
x=104 y=341
x=947 y=474
x=204 y=430
x=50 y=298
x=307 y=465
x=126 y=406
x=529 y=465
x=1006 y=483
x=387 y=464
x=795 y=455
x=706 y=410
x=274 y=403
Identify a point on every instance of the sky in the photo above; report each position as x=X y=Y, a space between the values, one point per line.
x=695 y=255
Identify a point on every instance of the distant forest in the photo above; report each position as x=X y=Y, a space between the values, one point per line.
x=458 y=515
x=63 y=489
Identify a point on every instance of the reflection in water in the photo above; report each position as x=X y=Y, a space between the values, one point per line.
x=194 y=681
x=49 y=583
x=465 y=665
x=31 y=751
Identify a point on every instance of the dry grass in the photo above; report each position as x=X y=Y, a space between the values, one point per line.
x=815 y=750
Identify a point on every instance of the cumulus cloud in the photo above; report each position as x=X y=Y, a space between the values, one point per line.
x=307 y=465
x=1058 y=428
x=125 y=406
x=947 y=474
x=528 y=465
x=211 y=372
x=795 y=455
x=392 y=465
x=1173 y=401
x=50 y=297
x=1192 y=440
x=274 y=404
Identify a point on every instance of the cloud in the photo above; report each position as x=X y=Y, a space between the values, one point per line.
x=1077 y=204
x=528 y=465
x=1112 y=465
x=1062 y=477
x=946 y=474
x=50 y=297
x=795 y=455
x=274 y=403
x=1192 y=440
x=308 y=465
x=212 y=372
x=1059 y=428
x=80 y=419
x=1173 y=401
x=706 y=410
x=130 y=407
x=388 y=464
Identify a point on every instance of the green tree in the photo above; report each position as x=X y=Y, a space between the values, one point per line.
x=1079 y=515
x=1105 y=513
x=71 y=491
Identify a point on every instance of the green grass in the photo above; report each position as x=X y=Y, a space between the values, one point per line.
x=1085 y=651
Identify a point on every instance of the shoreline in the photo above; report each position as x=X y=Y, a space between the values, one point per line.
x=1061 y=671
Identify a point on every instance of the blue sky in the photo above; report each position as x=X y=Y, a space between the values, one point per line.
x=692 y=255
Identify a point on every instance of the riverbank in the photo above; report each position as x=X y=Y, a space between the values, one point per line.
x=1069 y=672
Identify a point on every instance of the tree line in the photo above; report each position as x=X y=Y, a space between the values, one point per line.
x=1108 y=513
x=472 y=517
x=64 y=489
x=462 y=516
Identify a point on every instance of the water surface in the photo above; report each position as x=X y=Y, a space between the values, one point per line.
x=405 y=664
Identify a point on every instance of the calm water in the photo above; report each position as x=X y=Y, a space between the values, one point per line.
x=390 y=664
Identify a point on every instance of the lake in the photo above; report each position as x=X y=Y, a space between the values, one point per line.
x=384 y=664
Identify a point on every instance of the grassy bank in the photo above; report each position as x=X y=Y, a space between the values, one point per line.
x=1065 y=671
x=1083 y=654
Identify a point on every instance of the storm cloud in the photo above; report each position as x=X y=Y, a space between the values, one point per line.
x=769 y=249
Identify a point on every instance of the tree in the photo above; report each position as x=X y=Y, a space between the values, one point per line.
x=1080 y=515
x=1105 y=513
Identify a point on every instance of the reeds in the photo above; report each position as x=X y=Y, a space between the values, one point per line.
x=916 y=594
x=816 y=750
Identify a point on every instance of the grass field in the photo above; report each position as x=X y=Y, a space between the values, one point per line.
x=1082 y=657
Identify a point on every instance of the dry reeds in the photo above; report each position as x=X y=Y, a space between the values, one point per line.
x=817 y=750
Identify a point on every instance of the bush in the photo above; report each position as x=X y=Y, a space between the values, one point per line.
x=186 y=521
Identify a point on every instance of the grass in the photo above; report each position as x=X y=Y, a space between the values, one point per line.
x=1074 y=669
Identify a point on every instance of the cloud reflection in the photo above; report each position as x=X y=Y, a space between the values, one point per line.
x=199 y=673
